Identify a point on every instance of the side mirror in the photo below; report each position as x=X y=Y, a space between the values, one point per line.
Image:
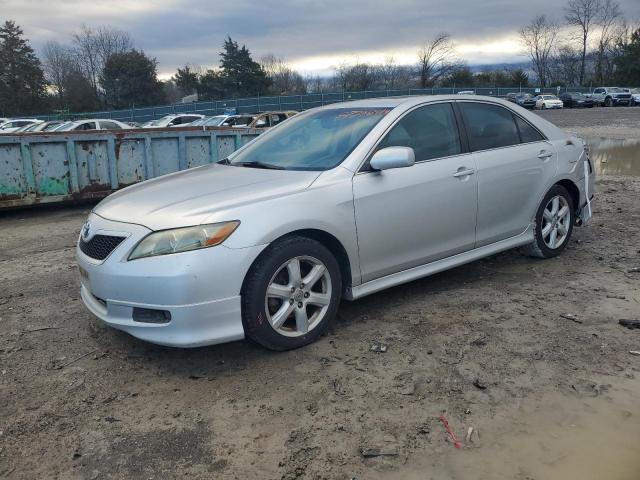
x=393 y=157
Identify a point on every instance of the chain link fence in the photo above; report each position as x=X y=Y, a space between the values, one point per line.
x=291 y=102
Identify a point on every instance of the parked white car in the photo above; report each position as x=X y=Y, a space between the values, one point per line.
x=40 y=127
x=544 y=102
x=177 y=120
x=11 y=126
x=337 y=202
x=635 y=96
x=93 y=124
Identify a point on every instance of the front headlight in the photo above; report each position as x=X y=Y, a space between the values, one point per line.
x=183 y=239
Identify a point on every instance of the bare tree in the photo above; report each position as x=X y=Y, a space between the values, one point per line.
x=583 y=14
x=539 y=40
x=436 y=59
x=95 y=46
x=390 y=73
x=57 y=61
x=284 y=79
x=565 y=66
x=314 y=83
x=609 y=22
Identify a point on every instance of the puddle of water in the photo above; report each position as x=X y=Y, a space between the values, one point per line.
x=561 y=436
x=615 y=157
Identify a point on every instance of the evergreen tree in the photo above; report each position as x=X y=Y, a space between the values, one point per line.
x=131 y=78
x=628 y=63
x=211 y=86
x=460 y=77
x=241 y=75
x=519 y=78
x=22 y=83
x=186 y=80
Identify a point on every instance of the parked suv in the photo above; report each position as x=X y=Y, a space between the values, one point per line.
x=611 y=96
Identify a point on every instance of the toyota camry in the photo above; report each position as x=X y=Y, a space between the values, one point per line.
x=335 y=203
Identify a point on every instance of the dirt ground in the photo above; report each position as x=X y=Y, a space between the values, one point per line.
x=528 y=353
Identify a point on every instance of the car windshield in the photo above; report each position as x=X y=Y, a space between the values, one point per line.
x=549 y=97
x=577 y=95
x=318 y=140
x=209 y=121
x=616 y=90
x=59 y=128
x=159 y=122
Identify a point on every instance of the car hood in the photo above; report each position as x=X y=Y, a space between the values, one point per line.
x=192 y=196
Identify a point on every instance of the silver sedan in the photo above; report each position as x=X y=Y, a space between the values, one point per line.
x=337 y=202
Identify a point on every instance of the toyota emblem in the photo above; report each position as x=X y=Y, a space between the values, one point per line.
x=86 y=230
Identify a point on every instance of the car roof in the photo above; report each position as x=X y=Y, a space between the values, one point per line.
x=410 y=101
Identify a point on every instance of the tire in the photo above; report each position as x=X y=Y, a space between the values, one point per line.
x=273 y=318
x=608 y=102
x=543 y=244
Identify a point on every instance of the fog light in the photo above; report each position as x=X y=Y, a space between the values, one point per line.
x=147 y=315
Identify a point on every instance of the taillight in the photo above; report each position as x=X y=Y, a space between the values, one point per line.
x=586 y=154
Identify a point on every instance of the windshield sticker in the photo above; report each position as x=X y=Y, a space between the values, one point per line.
x=364 y=113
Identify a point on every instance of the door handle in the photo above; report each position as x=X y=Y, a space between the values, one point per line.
x=543 y=155
x=464 y=172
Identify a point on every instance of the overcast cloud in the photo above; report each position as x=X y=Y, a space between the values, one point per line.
x=313 y=35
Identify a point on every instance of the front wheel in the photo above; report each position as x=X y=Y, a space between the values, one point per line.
x=608 y=102
x=554 y=224
x=291 y=294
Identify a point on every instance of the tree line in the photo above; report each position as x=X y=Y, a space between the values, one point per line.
x=100 y=68
x=592 y=44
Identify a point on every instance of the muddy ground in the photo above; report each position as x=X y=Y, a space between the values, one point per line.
x=527 y=352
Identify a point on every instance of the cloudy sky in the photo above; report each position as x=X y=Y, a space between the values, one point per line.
x=314 y=35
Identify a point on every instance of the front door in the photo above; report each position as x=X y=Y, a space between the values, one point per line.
x=407 y=217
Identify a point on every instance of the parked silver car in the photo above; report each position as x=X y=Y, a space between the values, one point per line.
x=337 y=202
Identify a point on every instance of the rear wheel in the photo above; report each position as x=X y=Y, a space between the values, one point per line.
x=291 y=294
x=554 y=224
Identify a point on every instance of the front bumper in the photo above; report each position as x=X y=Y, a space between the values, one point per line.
x=621 y=101
x=199 y=289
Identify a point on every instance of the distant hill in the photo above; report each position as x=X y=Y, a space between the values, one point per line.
x=500 y=66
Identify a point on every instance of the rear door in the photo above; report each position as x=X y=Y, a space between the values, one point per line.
x=411 y=216
x=515 y=164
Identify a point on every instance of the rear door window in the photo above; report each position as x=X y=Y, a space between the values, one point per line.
x=431 y=131
x=489 y=126
x=86 y=126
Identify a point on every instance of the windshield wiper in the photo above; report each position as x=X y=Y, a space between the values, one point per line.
x=224 y=161
x=267 y=166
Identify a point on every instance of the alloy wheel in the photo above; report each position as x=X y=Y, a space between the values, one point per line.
x=555 y=222
x=298 y=296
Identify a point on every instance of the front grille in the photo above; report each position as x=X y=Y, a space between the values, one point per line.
x=100 y=246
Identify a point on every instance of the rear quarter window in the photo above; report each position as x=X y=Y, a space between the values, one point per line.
x=528 y=134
